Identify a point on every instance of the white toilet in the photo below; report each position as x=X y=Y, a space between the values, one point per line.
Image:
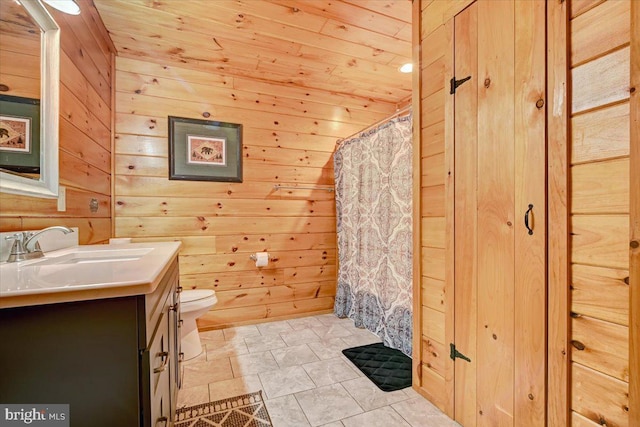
x=193 y=304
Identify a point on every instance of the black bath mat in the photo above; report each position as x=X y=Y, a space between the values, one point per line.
x=388 y=368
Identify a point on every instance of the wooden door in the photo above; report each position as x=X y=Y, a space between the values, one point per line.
x=500 y=288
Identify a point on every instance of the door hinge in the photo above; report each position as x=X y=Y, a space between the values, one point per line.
x=455 y=83
x=455 y=353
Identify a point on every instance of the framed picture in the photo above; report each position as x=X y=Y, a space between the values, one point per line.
x=201 y=150
x=19 y=134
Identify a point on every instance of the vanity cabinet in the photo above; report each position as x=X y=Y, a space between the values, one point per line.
x=115 y=361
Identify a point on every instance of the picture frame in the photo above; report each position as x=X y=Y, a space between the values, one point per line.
x=20 y=134
x=204 y=150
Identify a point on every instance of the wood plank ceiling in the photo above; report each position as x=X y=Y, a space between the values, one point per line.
x=351 y=47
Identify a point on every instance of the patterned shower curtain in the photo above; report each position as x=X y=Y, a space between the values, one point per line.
x=373 y=181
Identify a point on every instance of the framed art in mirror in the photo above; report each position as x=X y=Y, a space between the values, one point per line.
x=20 y=134
x=201 y=150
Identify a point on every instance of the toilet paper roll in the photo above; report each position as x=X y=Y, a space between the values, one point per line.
x=262 y=259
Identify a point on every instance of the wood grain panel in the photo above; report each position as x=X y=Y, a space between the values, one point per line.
x=309 y=273
x=530 y=249
x=440 y=12
x=558 y=216
x=77 y=205
x=434 y=355
x=579 y=7
x=249 y=243
x=608 y=81
x=590 y=39
x=216 y=319
x=431 y=387
x=634 y=220
x=77 y=84
x=432 y=201
x=599 y=397
x=141 y=186
x=433 y=109
x=433 y=232
x=167 y=207
x=495 y=213
x=433 y=325
x=273 y=294
x=465 y=214
x=190 y=245
x=449 y=185
x=601 y=134
x=91 y=230
x=430 y=81
x=432 y=139
x=78 y=144
x=433 y=170
x=82 y=52
x=437 y=43
x=600 y=188
x=141 y=145
x=600 y=240
x=193 y=264
x=211 y=226
x=75 y=172
x=138 y=92
x=601 y=293
x=433 y=263
x=234 y=280
x=433 y=293
x=578 y=420
x=601 y=346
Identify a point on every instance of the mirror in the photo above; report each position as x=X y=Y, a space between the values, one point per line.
x=28 y=115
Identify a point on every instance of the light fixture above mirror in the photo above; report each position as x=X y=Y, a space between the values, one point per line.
x=66 y=6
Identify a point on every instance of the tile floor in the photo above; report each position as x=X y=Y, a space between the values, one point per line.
x=304 y=377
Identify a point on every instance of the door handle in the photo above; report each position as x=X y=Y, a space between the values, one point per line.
x=526 y=219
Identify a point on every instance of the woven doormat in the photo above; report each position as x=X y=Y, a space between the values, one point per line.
x=388 y=368
x=247 y=410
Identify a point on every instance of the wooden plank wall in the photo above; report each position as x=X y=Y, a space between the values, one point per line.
x=436 y=202
x=85 y=134
x=289 y=136
x=599 y=206
x=634 y=219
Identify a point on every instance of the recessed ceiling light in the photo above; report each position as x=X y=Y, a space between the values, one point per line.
x=66 y=6
x=406 y=68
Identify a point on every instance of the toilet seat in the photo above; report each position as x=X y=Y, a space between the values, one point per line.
x=195 y=294
x=197 y=299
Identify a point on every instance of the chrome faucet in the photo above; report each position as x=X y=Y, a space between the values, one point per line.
x=26 y=245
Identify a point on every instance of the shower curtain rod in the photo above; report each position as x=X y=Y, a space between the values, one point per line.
x=379 y=122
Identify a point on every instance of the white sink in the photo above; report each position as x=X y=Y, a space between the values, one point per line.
x=85 y=272
x=94 y=256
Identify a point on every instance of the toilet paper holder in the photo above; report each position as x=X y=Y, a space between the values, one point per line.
x=254 y=257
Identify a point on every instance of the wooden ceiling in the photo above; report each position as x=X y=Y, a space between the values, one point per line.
x=352 y=47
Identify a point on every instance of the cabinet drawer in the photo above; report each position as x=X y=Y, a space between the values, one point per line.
x=155 y=302
x=160 y=355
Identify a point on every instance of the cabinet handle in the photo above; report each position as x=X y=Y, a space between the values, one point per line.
x=526 y=219
x=165 y=361
x=181 y=357
x=179 y=289
x=163 y=420
x=174 y=307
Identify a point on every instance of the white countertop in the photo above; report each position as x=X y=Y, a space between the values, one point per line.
x=86 y=272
